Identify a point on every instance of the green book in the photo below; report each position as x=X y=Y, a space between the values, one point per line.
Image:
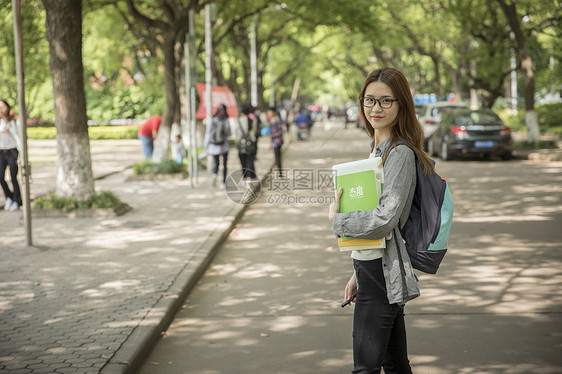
x=362 y=185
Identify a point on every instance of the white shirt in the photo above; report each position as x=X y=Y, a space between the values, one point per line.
x=7 y=140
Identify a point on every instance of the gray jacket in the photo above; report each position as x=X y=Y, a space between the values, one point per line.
x=394 y=208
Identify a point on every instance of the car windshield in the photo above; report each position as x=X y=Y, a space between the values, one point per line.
x=476 y=117
x=439 y=111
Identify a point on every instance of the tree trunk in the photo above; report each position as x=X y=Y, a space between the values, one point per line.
x=437 y=80
x=64 y=31
x=457 y=80
x=531 y=121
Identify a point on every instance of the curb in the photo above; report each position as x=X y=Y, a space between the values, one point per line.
x=132 y=353
x=130 y=356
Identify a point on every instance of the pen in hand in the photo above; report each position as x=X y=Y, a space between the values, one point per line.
x=348 y=301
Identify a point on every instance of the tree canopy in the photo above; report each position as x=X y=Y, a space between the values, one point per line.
x=329 y=46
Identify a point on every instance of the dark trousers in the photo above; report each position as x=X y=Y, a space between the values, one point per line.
x=277 y=153
x=379 y=331
x=248 y=168
x=217 y=162
x=9 y=158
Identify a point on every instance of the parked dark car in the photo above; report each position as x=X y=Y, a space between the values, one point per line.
x=430 y=116
x=465 y=132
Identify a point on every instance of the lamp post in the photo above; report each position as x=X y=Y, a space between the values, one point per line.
x=253 y=67
x=272 y=84
x=16 y=6
x=513 y=77
x=253 y=55
x=208 y=74
x=190 y=88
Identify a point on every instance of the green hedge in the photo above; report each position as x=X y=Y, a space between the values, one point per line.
x=548 y=115
x=95 y=132
x=550 y=118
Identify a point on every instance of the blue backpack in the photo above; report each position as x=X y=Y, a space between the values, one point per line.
x=426 y=232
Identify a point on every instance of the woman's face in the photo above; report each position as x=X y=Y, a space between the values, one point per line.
x=379 y=118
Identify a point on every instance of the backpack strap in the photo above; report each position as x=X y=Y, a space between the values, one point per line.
x=396 y=143
x=244 y=134
x=393 y=145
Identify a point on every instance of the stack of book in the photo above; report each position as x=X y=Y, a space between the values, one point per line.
x=362 y=182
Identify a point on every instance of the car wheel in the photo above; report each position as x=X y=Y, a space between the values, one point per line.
x=507 y=156
x=445 y=152
x=430 y=147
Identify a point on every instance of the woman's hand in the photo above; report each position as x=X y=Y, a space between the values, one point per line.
x=335 y=206
x=351 y=288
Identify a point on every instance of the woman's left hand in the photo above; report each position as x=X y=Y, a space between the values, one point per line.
x=335 y=206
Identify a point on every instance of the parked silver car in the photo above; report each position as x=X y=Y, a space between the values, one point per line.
x=465 y=132
x=431 y=116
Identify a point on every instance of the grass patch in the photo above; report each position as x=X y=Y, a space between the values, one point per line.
x=147 y=167
x=104 y=199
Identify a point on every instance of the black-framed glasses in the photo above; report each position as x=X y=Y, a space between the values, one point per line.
x=385 y=102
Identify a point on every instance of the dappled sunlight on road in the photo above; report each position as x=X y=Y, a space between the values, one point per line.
x=501 y=236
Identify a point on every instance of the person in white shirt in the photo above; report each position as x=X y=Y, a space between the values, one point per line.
x=9 y=157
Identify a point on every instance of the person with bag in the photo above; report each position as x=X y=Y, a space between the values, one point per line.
x=383 y=280
x=246 y=135
x=216 y=142
x=255 y=115
x=9 y=157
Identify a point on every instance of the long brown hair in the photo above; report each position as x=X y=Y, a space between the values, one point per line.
x=8 y=111
x=407 y=127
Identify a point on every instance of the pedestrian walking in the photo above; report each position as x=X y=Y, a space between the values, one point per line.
x=147 y=133
x=9 y=156
x=276 y=135
x=302 y=123
x=383 y=279
x=246 y=134
x=216 y=142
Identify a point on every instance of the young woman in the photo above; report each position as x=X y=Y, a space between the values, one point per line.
x=220 y=124
x=276 y=136
x=383 y=279
x=246 y=130
x=9 y=158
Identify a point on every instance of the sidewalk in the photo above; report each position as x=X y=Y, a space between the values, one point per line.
x=92 y=295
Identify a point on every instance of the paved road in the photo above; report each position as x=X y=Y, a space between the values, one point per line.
x=270 y=300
